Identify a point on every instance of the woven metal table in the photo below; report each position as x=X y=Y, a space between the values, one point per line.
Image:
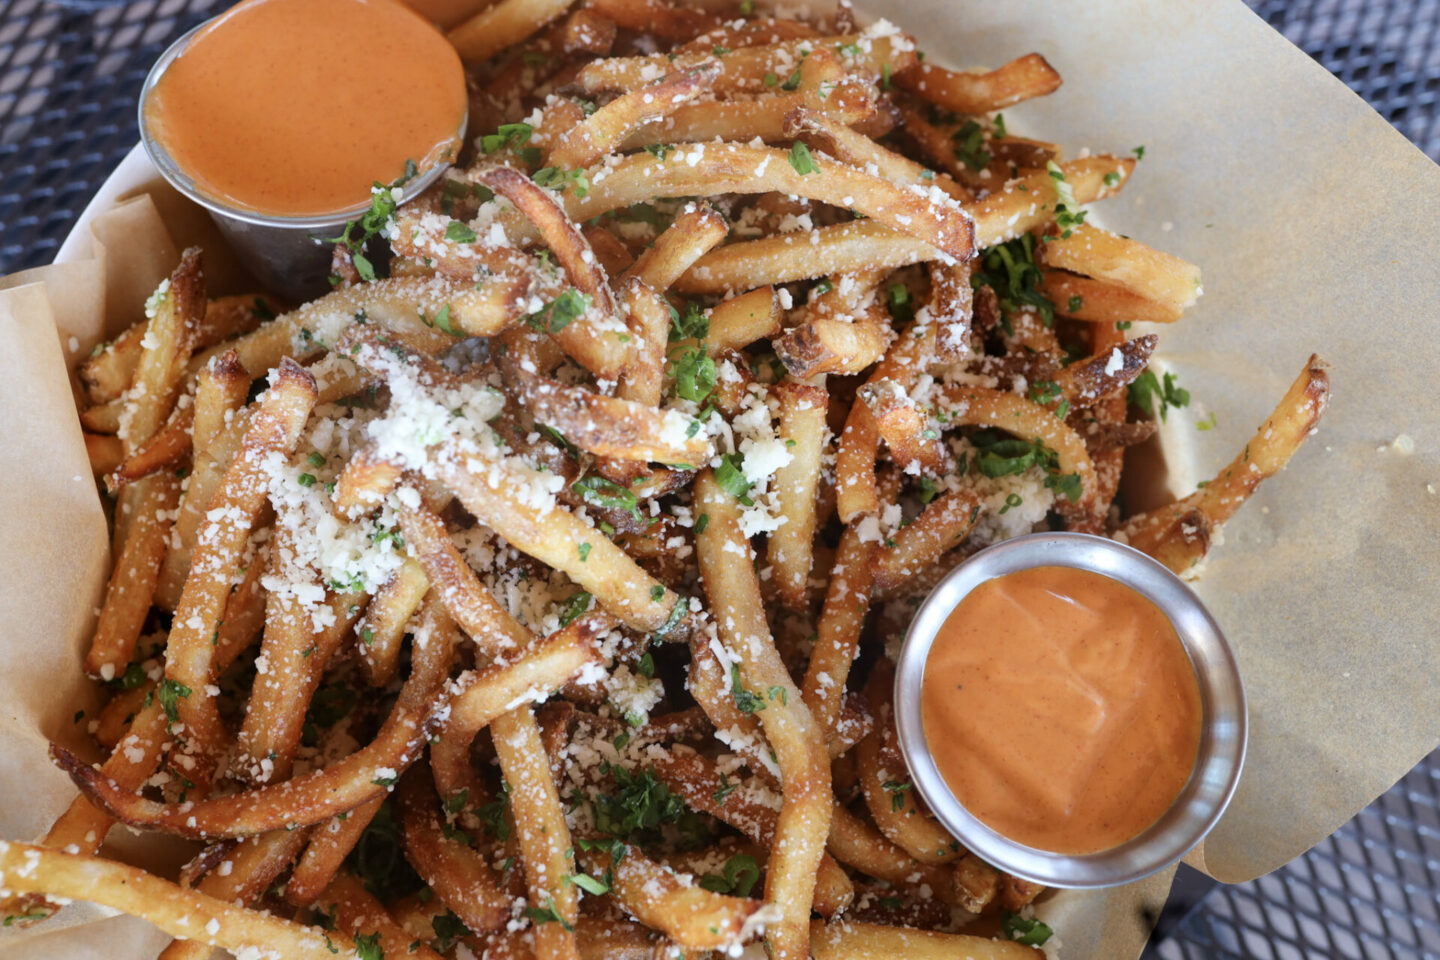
x=69 y=76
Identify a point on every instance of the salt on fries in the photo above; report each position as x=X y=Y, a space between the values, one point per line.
x=511 y=602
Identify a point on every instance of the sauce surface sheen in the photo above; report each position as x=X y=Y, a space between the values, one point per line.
x=296 y=107
x=1061 y=709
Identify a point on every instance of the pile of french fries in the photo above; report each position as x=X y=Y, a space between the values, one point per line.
x=534 y=595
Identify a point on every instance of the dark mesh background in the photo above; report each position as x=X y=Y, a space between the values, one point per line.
x=69 y=76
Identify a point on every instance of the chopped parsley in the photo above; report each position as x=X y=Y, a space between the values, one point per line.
x=357 y=233
x=738 y=876
x=1030 y=932
x=560 y=179
x=897 y=790
x=640 y=807
x=1002 y=456
x=732 y=479
x=367 y=946
x=745 y=700
x=1010 y=270
x=459 y=232
x=576 y=605
x=599 y=492
x=1068 y=214
x=900 y=304
x=560 y=312
x=1146 y=391
x=970 y=149
x=801 y=160
x=694 y=372
x=507 y=134
x=170 y=693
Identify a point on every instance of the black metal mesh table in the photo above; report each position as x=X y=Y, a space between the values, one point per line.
x=69 y=76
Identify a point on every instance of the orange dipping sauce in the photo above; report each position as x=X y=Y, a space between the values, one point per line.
x=1061 y=709
x=296 y=107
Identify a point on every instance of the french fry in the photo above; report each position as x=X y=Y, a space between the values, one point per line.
x=975 y=93
x=693 y=917
x=220 y=393
x=744 y=70
x=1086 y=382
x=381 y=628
x=105 y=453
x=741 y=320
x=460 y=876
x=695 y=779
x=540 y=829
x=167 y=445
x=857 y=844
x=943 y=524
x=357 y=913
x=1100 y=301
x=693 y=232
x=295 y=657
x=501 y=25
x=740 y=168
x=849 y=102
x=327 y=846
x=604 y=130
x=250 y=866
x=831 y=345
x=730 y=584
x=471 y=605
x=662 y=19
x=1129 y=264
x=837 y=639
x=864 y=941
x=904 y=426
x=859 y=150
x=320 y=795
x=886 y=785
x=189 y=653
x=801 y=425
x=558 y=538
x=485 y=695
x=1179 y=535
x=187 y=914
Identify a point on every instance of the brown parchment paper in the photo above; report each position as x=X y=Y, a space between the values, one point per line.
x=1313 y=222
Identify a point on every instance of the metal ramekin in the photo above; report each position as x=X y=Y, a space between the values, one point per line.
x=1222 y=701
x=282 y=253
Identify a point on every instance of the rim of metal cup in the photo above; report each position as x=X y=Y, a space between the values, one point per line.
x=178 y=179
x=1224 y=721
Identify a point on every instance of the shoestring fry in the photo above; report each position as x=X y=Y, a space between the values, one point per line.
x=537 y=597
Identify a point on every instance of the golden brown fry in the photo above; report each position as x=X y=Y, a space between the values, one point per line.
x=1178 y=535
x=382 y=628
x=295 y=657
x=825 y=251
x=857 y=844
x=729 y=167
x=222 y=386
x=471 y=605
x=649 y=320
x=604 y=130
x=503 y=24
x=1085 y=382
x=843 y=940
x=975 y=93
x=460 y=875
x=320 y=795
x=1100 y=301
x=859 y=150
x=542 y=669
x=166 y=446
x=662 y=19
x=1129 y=264
x=846 y=102
x=357 y=913
x=801 y=424
x=327 y=846
x=105 y=453
x=559 y=538
x=942 y=525
x=248 y=868
x=904 y=426
x=540 y=829
x=179 y=912
x=837 y=640
x=189 y=653
x=741 y=320
x=830 y=345
x=696 y=780
x=886 y=783
x=693 y=917
x=744 y=70
x=689 y=236
x=724 y=557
